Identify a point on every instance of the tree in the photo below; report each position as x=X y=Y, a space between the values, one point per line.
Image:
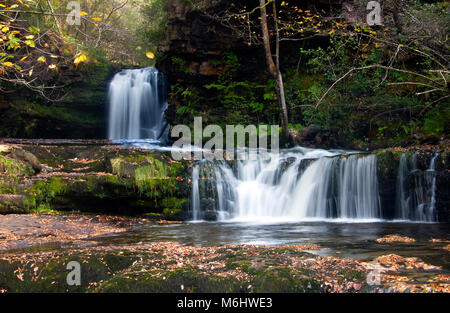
x=262 y=26
x=274 y=67
x=38 y=45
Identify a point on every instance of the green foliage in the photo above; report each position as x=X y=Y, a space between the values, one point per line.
x=12 y=168
x=181 y=65
x=241 y=96
x=437 y=120
x=363 y=107
x=190 y=97
x=41 y=195
x=153 y=23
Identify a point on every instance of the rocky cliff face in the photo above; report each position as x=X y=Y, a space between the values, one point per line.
x=80 y=113
x=193 y=56
x=215 y=74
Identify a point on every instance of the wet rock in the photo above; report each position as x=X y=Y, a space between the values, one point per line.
x=311 y=136
x=93 y=178
x=10 y=203
x=27 y=158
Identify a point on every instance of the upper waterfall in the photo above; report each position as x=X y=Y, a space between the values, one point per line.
x=137 y=102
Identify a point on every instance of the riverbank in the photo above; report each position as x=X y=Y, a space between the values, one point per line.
x=28 y=230
x=36 y=248
x=171 y=267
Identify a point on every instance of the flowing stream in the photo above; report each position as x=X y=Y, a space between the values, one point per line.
x=303 y=184
x=297 y=184
x=419 y=201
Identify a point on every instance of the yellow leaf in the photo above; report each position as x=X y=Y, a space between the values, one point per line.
x=7 y=64
x=29 y=37
x=23 y=59
x=82 y=13
x=96 y=19
x=150 y=55
x=80 y=58
x=53 y=66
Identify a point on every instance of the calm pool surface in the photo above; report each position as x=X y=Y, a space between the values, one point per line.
x=352 y=240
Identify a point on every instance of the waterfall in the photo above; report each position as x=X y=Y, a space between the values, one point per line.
x=195 y=194
x=137 y=101
x=416 y=202
x=402 y=197
x=424 y=196
x=297 y=184
x=358 y=188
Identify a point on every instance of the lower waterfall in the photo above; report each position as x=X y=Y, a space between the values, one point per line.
x=297 y=184
x=416 y=191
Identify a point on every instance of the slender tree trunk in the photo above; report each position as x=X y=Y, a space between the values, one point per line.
x=58 y=27
x=274 y=69
x=396 y=9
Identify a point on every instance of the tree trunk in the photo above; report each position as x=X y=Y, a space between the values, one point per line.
x=274 y=69
x=396 y=8
x=58 y=27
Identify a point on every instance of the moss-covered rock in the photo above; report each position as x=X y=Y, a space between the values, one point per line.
x=51 y=275
x=96 y=178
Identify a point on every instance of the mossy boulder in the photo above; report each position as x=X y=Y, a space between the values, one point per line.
x=94 y=177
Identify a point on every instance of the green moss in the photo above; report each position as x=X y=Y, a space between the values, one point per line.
x=353 y=275
x=13 y=168
x=153 y=215
x=172 y=206
x=111 y=179
x=159 y=281
x=51 y=275
x=283 y=280
x=41 y=195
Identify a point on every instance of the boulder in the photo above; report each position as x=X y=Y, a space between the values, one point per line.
x=310 y=136
x=27 y=158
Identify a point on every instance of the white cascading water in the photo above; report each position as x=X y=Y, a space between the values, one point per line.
x=417 y=203
x=137 y=101
x=297 y=184
x=195 y=192
x=403 y=198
